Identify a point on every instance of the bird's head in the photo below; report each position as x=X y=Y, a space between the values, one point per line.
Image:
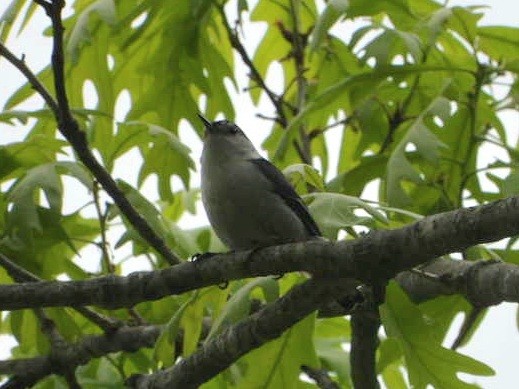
x=227 y=138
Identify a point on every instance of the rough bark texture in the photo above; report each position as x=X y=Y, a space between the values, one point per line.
x=376 y=256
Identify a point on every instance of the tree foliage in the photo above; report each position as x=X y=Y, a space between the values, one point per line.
x=414 y=89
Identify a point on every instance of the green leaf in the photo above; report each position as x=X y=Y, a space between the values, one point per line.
x=26 y=91
x=41 y=177
x=25 y=328
x=45 y=177
x=369 y=80
x=333 y=10
x=394 y=378
x=334 y=211
x=23 y=117
x=166 y=157
x=19 y=157
x=10 y=15
x=76 y=170
x=353 y=181
x=511 y=183
x=145 y=209
x=302 y=174
x=238 y=306
x=389 y=353
x=334 y=358
x=500 y=43
x=271 y=48
x=464 y=22
x=392 y=43
x=281 y=358
x=193 y=317
x=427 y=145
x=330 y=335
x=427 y=361
x=44 y=241
x=185 y=200
x=164 y=350
x=81 y=32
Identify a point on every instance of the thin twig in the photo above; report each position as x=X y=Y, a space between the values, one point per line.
x=298 y=50
x=102 y=227
x=321 y=377
x=69 y=128
x=255 y=75
x=31 y=77
x=467 y=327
x=287 y=88
x=318 y=131
x=264 y=117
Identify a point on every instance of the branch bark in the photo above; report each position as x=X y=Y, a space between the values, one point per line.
x=364 y=344
x=376 y=256
x=482 y=283
x=267 y=324
x=19 y=274
x=27 y=372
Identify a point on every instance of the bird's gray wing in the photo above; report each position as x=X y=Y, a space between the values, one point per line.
x=283 y=189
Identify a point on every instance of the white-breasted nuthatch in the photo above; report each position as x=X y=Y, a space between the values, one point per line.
x=248 y=201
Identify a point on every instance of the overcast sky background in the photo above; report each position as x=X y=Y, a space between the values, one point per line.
x=497 y=341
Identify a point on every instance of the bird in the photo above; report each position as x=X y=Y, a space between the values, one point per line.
x=249 y=202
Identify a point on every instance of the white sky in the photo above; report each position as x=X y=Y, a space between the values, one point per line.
x=497 y=341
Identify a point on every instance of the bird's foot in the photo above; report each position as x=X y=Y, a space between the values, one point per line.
x=199 y=257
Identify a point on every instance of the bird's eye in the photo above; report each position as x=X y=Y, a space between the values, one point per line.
x=233 y=129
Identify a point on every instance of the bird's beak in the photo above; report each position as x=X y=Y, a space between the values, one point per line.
x=206 y=122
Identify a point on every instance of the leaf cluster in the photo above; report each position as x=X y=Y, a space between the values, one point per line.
x=398 y=98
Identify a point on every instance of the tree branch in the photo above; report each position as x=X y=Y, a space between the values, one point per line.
x=26 y=372
x=31 y=77
x=482 y=283
x=57 y=346
x=19 y=274
x=298 y=51
x=321 y=377
x=373 y=257
x=364 y=344
x=269 y=323
x=69 y=128
x=254 y=73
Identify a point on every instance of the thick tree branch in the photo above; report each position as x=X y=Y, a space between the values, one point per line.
x=19 y=274
x=269 y=323
x=27 y=372
x=482 y=283
x=57 y=345
x=375 y=256
x=364 y=344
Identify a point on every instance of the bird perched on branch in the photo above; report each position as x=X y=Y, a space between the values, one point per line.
x=248 y=201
